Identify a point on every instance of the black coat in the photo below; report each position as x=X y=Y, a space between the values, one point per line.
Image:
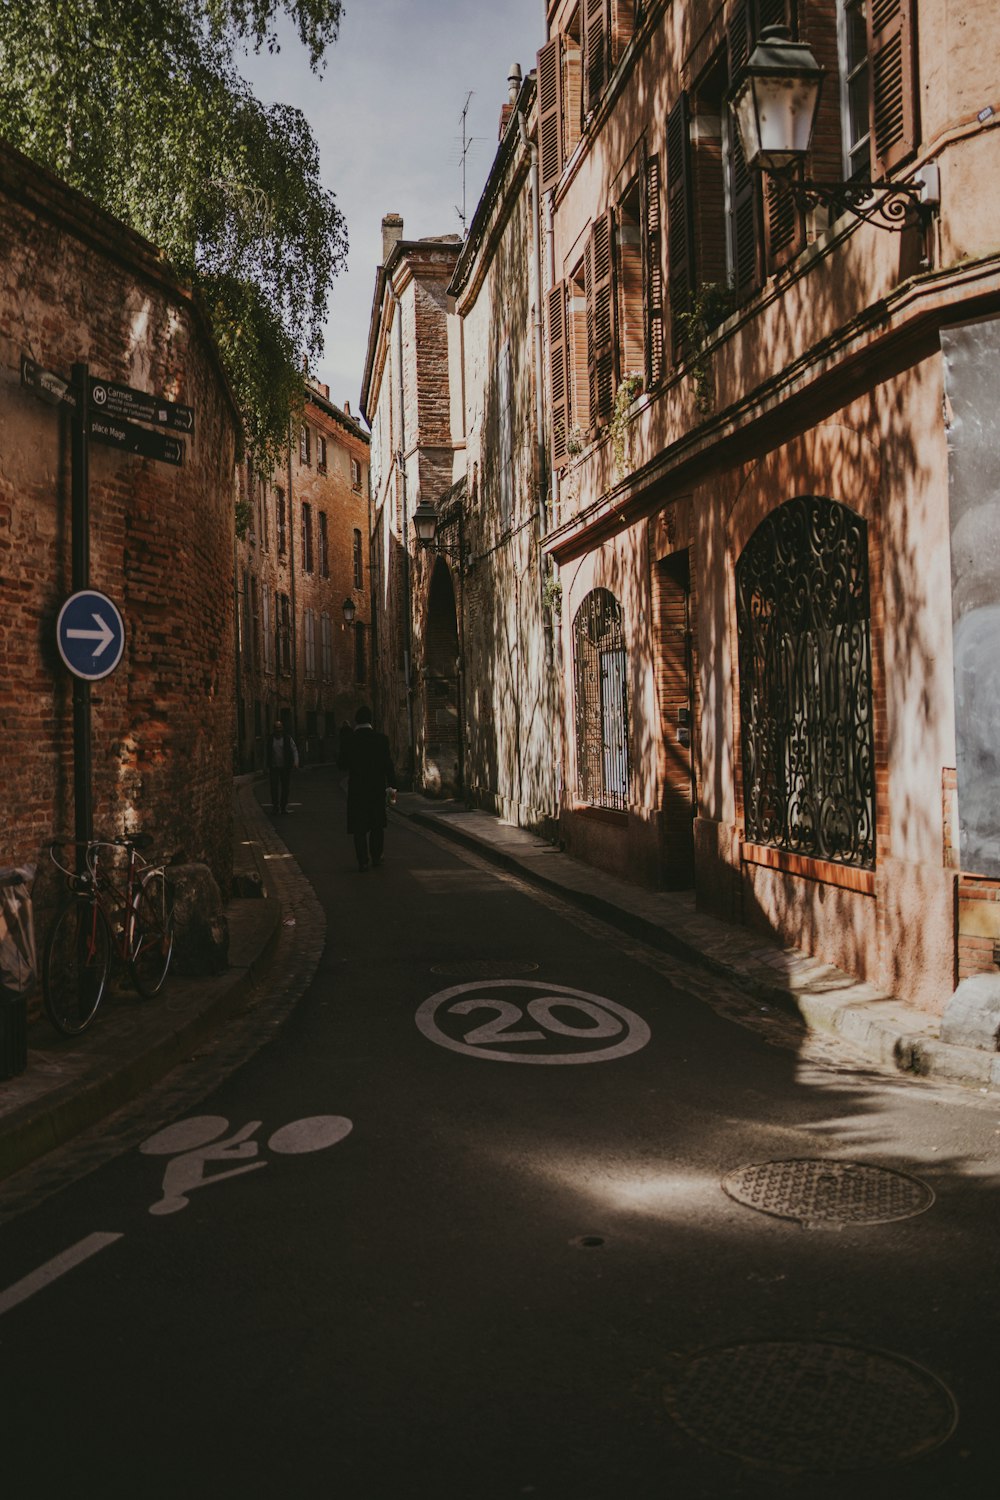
x=369 y=764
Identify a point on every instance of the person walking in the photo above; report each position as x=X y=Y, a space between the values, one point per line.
x=282 y=757
x=370 y=778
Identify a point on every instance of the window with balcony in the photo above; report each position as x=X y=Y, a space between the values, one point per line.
x=573 y=72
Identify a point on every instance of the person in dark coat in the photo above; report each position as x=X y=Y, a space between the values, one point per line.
x=370 y=776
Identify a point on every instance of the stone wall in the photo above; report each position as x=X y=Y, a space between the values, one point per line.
x=76 y=286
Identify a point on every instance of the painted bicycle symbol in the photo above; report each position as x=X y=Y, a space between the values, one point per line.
x=563 y=1024
x=197 y=1142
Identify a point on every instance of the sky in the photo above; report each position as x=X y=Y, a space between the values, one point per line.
x=387 y=116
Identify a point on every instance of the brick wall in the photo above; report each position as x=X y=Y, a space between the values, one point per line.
x=77 y=286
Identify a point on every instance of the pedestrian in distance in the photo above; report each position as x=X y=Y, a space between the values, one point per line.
x=371 y=783
x=282 y=759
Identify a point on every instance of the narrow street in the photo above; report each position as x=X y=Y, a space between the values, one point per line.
x=460 y=1230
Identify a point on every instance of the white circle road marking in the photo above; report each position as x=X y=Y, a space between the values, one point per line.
x=314 y=1133
x=611 y=1020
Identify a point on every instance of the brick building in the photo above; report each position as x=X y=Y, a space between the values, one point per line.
x=775 y=498
x=77 y=287
x=304 y=554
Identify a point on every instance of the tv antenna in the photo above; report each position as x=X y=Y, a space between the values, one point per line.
x=467 y=141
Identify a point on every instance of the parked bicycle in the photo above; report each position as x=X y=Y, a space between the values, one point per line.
x=125 y=910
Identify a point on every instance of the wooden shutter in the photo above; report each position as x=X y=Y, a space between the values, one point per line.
x=653 y=266
x=744 y=207
x=623 y=21
x=680 y=217
x=826 y=157
x=600 y=319
x=559 y=374
x=596 y=49
x=550 y=157
x=892 y=84
x=784 y=224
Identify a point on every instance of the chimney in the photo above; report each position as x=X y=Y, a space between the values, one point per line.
x=347 y=408
x=392 y=233
x=513 y=89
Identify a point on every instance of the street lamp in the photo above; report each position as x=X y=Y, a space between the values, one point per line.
x=350 y=610
x=774 y=106
x=425 y=525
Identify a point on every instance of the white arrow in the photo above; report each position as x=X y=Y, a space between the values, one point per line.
x=102 y=634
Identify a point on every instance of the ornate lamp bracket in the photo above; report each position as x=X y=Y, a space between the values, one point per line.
x=888 y=205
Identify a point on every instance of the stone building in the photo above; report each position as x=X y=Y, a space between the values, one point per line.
x=775 y=503
x=78 y=288
x=492 y=534
x=411 y=398
x=453 y=388
x=303 y=557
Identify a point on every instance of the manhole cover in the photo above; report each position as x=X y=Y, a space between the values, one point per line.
x=812 y=1406
x=484 y=968
x=828 y=1192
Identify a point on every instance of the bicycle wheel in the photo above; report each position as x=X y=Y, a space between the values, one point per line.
x=152 y=934
x=76 y=965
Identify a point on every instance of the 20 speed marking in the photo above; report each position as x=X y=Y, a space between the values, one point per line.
x=553 y=1008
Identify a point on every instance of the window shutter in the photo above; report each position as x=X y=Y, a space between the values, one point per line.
x=893 y=102
x=623 y=21
x=653 y=262
x=826 y=158
x=680 y=217
x=784 y=224
x=744 y=211
x=550 y=161
x=596 y=49
x=559 y=373
x=600 y=320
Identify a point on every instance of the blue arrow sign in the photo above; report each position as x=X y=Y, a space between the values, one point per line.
x=90 y=633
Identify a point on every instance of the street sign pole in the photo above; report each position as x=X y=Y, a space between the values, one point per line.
x=83 y=807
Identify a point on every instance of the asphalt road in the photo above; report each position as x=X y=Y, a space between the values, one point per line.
x=459 y=1231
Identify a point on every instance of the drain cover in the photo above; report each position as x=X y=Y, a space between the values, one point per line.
x=484 y=968
x=828 y=1192
x=811 y=1406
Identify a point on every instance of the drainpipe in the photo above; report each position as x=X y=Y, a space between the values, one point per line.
x=407 y=601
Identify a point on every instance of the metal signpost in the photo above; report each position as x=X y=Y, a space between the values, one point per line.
x=90 y=631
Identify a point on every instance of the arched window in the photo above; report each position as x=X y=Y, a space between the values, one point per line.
x=804 y=621
x=601 y=702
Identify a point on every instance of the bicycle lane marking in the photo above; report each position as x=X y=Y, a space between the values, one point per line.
x=192 y=1143
x=37 y=1281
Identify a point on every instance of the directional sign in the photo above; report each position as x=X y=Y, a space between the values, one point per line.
x=117 y=434
x=90 y=633
x=113 y=400
x=45 y=384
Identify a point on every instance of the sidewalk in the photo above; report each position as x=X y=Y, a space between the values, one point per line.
x=892 y=1033
x=70 y=1083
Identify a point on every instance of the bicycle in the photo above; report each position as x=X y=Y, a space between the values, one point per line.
x=128 y=914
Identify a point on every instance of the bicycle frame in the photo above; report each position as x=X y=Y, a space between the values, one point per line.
x=115 y=896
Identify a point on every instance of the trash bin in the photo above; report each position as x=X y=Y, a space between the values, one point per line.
x=18 y=966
